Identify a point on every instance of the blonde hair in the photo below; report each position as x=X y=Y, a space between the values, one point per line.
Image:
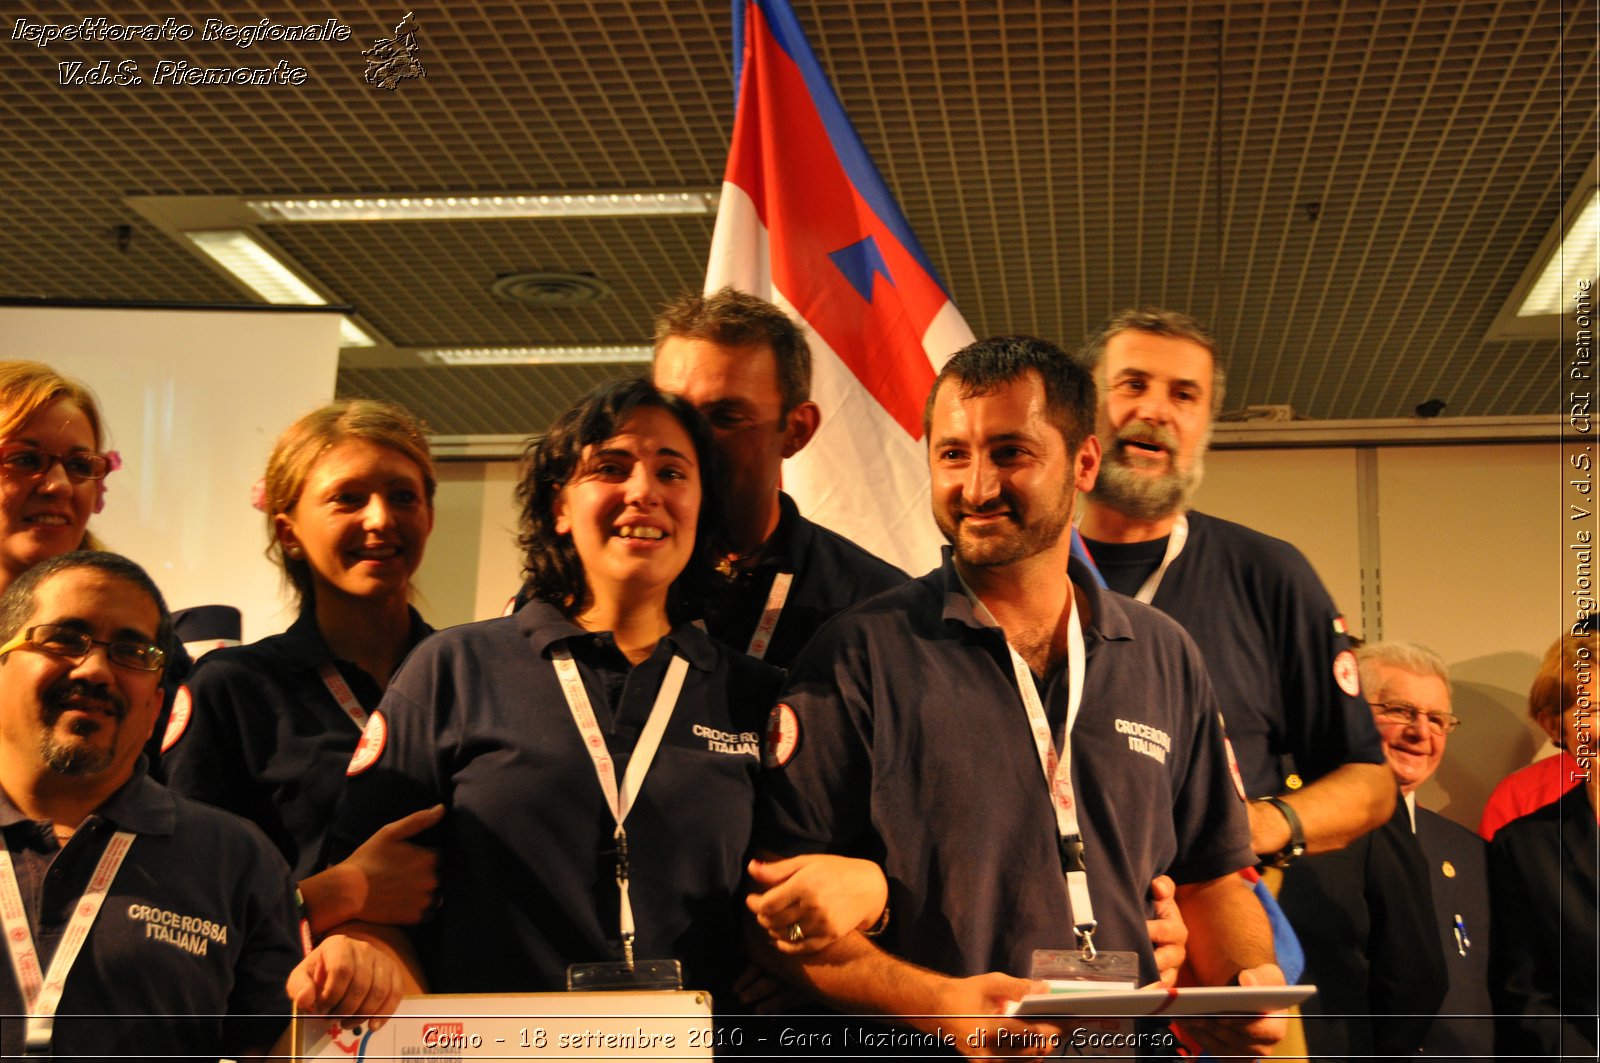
x=302 y=445
x=1567 y=665
x=28 y=387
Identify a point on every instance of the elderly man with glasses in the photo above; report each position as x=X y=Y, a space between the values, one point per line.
x=1399 y=940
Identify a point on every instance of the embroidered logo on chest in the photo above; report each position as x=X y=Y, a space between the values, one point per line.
x=190 y=933
x=1142 y=738
x=739 y=743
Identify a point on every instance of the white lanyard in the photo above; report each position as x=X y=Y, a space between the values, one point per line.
x=41 y=992
x=341 y=692
x=1057 y=767
x=1175 y=540
x=762 y=638
x=620 y=801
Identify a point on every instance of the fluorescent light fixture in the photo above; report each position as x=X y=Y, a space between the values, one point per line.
x=599 y=355
x=1574 y=258
x=241 y=255
x=353 y=335
x=265 y=274
x=469 y=208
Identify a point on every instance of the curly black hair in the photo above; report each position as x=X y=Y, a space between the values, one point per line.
x=551 y=566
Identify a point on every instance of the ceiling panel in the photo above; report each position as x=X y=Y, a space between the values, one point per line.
x=1347 y=191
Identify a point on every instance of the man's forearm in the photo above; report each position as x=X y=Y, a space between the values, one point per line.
x=1334 y=811
x=1228 y=930
x=853 y=975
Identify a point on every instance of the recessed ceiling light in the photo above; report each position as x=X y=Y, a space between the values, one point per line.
x=467 y=208
x=1574 y=259
x=268 y=276
x=596 y=355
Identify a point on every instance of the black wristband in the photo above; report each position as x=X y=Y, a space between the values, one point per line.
x=1297 y=835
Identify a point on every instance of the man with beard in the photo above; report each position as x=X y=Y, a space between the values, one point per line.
x=1274 y=644
x=1022 y=752
x=122 y=942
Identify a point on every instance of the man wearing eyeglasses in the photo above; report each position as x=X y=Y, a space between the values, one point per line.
x=136 y=922
x=1396 y=927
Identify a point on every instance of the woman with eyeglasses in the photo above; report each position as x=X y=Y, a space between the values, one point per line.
x=52 y=471
x=266 y=730
x=598 y=752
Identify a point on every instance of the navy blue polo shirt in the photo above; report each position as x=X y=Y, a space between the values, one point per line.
x=476 y=719
x=264 y=738
x=1273 y=643
x=190 y=952
x=831 y=573
x=908 y=738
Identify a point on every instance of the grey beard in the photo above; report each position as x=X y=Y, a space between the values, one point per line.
x=71 y=759
x=1147 y=497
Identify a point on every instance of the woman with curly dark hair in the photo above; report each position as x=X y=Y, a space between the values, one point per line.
x=598 y=752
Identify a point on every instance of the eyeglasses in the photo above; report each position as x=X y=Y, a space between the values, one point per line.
x=74 y=645
x=1442 y=723
x=22 y=460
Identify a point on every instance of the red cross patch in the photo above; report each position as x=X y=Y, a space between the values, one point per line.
x=783 y=736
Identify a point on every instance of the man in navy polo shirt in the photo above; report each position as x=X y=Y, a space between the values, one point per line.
x=1022 y=752
x=137 y=922
x=745 y=365
x=1272 y=640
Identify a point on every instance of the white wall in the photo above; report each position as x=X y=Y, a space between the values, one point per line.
x=1469 y=548
x=193 y=399
x=472 y=567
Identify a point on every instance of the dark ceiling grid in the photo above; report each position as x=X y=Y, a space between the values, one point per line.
x=1534 y=166
x=1194 y=41
x=1049 y=162
x=1244 y=357
x=1399 y=99
x=1468 y=304
x=1350 y=91
x=1055 y=159
x=1521 y=224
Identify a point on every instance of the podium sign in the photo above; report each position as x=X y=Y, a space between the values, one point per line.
x=611 y=1025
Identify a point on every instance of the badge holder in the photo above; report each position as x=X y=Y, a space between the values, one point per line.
x=628 y=974
x=1077 y=965
x=645 y=974
x=1098 y=969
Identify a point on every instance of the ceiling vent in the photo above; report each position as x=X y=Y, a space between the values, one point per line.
x=550 y=290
